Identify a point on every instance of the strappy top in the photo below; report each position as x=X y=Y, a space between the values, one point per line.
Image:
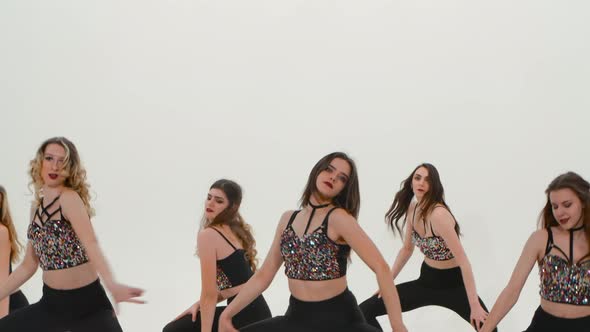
x=234 y=269
x=54 y=240
x=433 y=247
x=562 y=280
x=314 y=256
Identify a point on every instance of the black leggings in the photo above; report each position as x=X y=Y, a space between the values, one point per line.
x=340 y=313
x=17 y=301
x=255 y=311
x=85 y=309
x=545 y=322
x=443 y=288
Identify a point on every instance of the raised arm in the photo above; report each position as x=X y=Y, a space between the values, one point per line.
x=74 y=210
x=347 y=228
x=532 y=252
x=258 y=282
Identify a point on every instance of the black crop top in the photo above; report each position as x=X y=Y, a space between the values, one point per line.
x=234 y=269
x=314 y=256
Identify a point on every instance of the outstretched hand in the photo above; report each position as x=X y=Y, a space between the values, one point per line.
x=124 y=293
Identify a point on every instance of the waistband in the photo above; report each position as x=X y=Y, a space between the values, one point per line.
x=544 y=321
x=76 y=302
x=340 y=308
x=431 y=277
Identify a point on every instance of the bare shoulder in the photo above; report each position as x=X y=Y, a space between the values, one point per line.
x=285 y=218
x=440 y=216
x=535 y=245
x=341 y=217
x=69 y=196
x=539 y=237
x=4 y=234
x=207 y=235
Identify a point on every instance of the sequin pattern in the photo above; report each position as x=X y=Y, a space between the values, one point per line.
x=312 y=257
x=56 y=245
x=563 y=282
x=433 y=247
x=222 y=279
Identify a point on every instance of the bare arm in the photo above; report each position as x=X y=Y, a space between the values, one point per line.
x=24 y=271
x=444 y=223
x=21 y=274
x=347 y=228
x=74 y=210
x=531 y=253
x=404 y=253
x=209 y=294
x=4 y=267
x=259 y=281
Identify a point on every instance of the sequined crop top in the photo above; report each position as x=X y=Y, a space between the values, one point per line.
x=433 y=247
x=562 y=280
x=314 y=256
x=53 y=239
x=234 y=269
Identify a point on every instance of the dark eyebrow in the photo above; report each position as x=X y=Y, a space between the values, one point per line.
x=53 y=155
x=218 y=197
x=347 y=176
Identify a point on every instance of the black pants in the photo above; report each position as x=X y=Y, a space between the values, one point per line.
x=17 y=301
x=85 y=309
x=544 y=322
x=443 y=288
x=255 y=311
x=340 y=313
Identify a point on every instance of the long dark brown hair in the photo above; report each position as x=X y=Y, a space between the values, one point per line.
x=231 y=217
x=349 y=198
x=6 y=220
x=403 y=198
x=580 y=187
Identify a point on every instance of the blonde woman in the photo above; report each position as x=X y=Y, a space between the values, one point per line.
x=10 y=249
x=62 y=241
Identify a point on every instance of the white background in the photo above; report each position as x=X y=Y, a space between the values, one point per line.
x=164 y=97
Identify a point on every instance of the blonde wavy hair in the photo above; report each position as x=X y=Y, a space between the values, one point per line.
x=72 y=170
x=6 y=220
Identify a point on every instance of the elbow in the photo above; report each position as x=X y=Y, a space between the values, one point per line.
x=381 y=268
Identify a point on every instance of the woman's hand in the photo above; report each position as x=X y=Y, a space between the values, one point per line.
x=124 y=293
x=478 y=316
x=192 y=310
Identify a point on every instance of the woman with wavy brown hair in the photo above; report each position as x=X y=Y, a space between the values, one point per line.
x=315 y=243
x=561 y=249
x=63 y=243
x=10 y=249
x=446 y=278
x=227 y=252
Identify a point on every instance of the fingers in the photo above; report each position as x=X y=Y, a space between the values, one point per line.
x=194 y=315
x=134 y=301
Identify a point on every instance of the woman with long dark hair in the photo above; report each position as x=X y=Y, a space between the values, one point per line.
x=10 y=249
x=315 y=243
x=446 y=278
x=227 y=252
x=63 y=243
x=561 y=248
